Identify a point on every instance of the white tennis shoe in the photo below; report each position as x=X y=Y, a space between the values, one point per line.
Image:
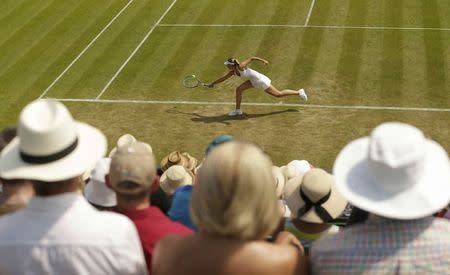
x=235 y=113
x=302 y=94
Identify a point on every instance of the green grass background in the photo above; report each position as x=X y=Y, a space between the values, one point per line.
x=403 y=68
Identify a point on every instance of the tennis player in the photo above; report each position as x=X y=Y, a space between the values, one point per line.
x=254 y=80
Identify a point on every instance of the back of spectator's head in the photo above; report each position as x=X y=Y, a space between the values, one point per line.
x=315 y=198
x=51 y=146
x=236 y=196
x=132 y=169
x=217 y=141
x=174 y=177
x=96 y=191
x=395 y=172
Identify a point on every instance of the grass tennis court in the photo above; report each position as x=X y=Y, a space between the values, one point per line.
x=119 y=66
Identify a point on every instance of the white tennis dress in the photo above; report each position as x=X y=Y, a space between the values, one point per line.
x=258 y=80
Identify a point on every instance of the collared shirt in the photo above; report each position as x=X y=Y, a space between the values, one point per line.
x=152 y=225
x=385 y=246
x=63 y=234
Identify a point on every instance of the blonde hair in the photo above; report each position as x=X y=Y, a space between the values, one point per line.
x=236 y=195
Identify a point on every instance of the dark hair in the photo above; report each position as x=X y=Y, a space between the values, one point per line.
x=233 y=60
x=357 y=216
x=6 y=135
x=43 y=189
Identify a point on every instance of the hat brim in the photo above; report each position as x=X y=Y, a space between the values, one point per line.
x=356 y=182
x=91 y=148
x=95 y=199
x=168 y=188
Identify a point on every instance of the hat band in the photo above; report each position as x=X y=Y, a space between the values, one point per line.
x=49 y=158
x=320 y=211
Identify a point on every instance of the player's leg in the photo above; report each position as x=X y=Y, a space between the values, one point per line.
x=287 y=92
x=239 y=90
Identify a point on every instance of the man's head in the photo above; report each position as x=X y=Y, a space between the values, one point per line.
x=51 y=147
x=132 y=171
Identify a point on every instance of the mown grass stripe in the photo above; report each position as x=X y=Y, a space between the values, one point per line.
x=179 y=57
x=309 y=48
x=135 y=50
x=391 y=65
x=350 y=58
x=33 y=32
x=7 y=7
x=97 y=65
x=85 y=49
x=19 y=19
x=436 y=59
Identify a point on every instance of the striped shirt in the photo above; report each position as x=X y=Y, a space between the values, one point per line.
x=385 y=246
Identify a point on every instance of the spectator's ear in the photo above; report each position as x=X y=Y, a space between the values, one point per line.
x=155 y=184
x=108 y=182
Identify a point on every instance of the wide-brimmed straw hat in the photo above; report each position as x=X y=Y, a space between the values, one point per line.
x=315 y=199
x=50 y=145
x=179 y=158
x=395 y=172
x=96 y=191
x=175 y=177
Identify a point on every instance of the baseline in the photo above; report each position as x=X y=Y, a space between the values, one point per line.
x=313 y=106
x=303 y=27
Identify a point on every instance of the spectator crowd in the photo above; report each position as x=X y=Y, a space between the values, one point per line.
x=65 y=208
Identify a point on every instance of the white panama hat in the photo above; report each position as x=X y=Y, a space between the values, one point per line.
x=395 y=173
x=50 y=145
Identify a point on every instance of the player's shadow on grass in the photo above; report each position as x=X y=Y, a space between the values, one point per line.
x=225 y=119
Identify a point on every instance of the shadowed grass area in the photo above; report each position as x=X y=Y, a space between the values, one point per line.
x=375 y=67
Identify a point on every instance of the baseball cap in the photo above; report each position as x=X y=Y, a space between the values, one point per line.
x=133 y=162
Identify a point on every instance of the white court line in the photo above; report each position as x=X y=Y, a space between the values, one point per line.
x=206 y=103
x=303 y=26
x=310 y=12
x=85 y=49
x=136 y=50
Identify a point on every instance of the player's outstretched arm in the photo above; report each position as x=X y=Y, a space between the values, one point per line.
x=245 y=63
x=222 y=79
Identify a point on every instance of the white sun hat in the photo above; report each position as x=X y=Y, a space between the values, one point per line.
x=302 y=166
x=174 y=177
x=96 y=190
x=50 y=145
x=395 y=173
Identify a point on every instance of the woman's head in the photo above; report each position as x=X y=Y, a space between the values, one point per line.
x=236 y=195
x=231 y=63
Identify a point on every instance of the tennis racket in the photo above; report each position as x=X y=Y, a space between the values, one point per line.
x=191 y=81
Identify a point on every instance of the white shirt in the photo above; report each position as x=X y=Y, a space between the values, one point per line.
x=65 y=235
